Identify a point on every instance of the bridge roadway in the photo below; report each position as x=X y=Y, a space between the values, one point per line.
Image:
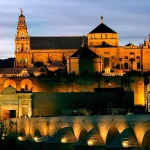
x=102 y=130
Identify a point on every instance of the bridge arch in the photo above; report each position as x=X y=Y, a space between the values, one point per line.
x=112 y=133
x=82 y=133
x=146 y=140
x=37 y=133
x=22 y=132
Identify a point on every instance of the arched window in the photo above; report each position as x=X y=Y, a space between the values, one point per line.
x=106 y=62
x=138 y=65
x=26 y=84
x=126 y=66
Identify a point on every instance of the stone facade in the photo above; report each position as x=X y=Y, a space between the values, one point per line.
x=103 y=41
x=92 y=61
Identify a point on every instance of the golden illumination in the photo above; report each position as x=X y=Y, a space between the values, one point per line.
x=91 y=142
x=36 y=138
x=64 y=140
x=20 y=138
x=125 y=143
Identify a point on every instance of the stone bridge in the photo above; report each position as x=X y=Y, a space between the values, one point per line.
x=109 y=131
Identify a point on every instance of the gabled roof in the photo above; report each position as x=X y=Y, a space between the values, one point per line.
x=84 y=52
x=60 y=42
x=102 y=28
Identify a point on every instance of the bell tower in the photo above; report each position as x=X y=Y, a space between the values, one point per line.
x=22 y=44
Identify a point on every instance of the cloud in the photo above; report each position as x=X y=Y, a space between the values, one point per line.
x=77 y=17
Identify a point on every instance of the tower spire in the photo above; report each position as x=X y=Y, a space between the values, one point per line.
x=21 y=11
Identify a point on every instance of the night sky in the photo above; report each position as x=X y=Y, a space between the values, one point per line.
x=129 y=18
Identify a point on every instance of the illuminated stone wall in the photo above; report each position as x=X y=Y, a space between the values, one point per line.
x=78 y=84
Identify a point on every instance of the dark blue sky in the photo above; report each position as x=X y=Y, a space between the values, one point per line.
x=129 y=18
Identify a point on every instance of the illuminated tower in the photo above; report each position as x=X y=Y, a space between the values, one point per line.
x=22 y=44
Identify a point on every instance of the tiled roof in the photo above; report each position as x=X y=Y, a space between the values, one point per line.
x=102 y=28
x=62 y=42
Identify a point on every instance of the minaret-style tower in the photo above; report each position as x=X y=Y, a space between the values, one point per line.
x=22 y=44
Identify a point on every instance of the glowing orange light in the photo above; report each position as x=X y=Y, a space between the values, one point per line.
x=125 y=143
x=64 y=140
x=36 y=139
x=91 y=142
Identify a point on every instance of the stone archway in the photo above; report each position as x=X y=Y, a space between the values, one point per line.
x=82 y=133
x=26 y=84
x=37 y=133
x=146 y=141
x=22 y=132
x=126 y=64
x=112 y=133
x=9 y=82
